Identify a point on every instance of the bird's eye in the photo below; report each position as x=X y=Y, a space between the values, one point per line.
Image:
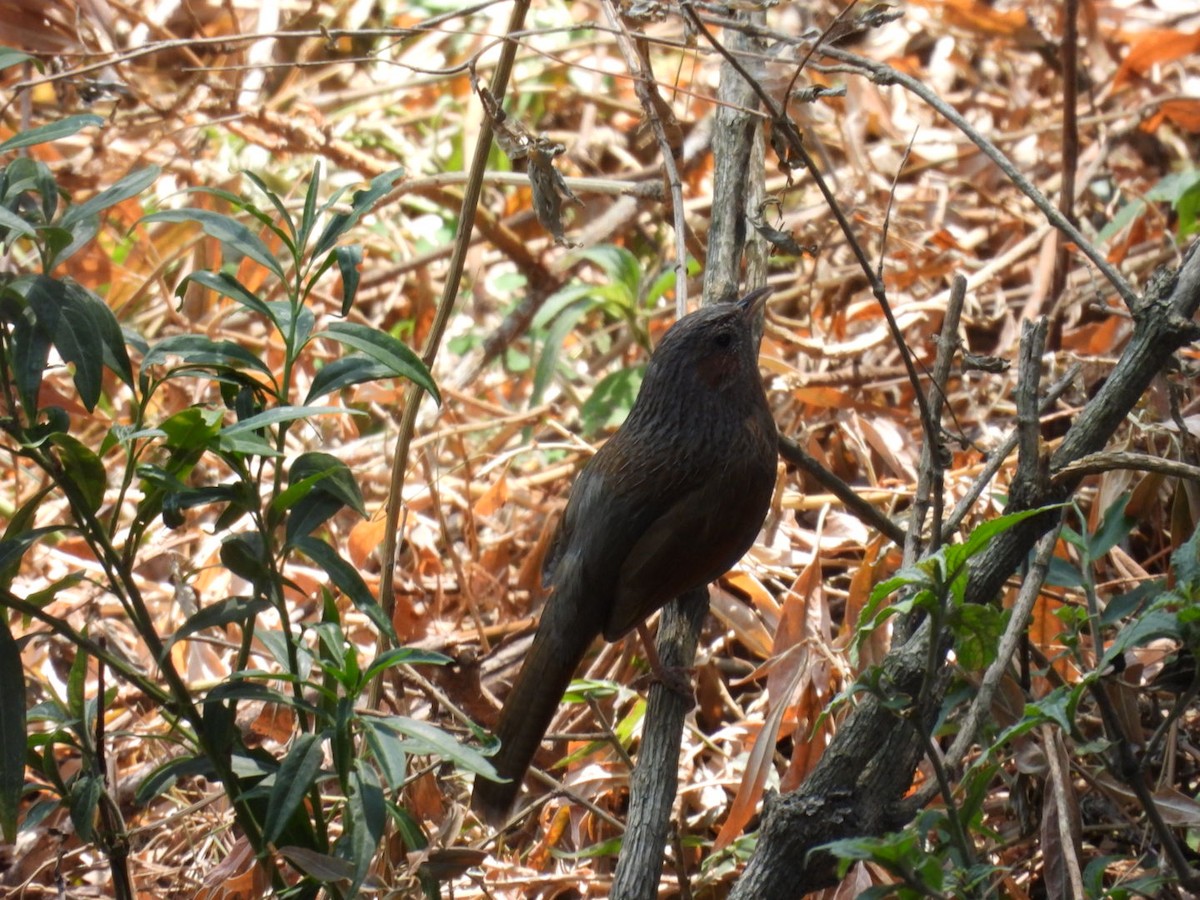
x=723 y=339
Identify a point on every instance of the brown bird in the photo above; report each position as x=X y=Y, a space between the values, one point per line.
x=668 y=504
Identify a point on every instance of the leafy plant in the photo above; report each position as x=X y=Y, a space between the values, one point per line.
x=231 y=455
x=932 y=857
x=1181 y=190
x=622 y=294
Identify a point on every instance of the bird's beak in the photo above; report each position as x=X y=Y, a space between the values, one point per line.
x=754 y=301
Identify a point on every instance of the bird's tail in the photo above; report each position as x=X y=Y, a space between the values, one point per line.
x=558 y=647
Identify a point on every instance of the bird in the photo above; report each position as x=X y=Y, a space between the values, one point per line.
x=669 y=503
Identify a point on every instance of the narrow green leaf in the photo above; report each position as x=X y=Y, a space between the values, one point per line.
x=348 y=260
x=217 y=615
x=198 y=350
x=548 y=361
x=10 y=57
x=383 y=348
x=83 y=467
x=1115 y=526
x=281 y=414
x=12 y=549
x=297 y=774
x=388 y=751
x=52 y=131
x=404 y=656
x=164 y=777
x=309 y=216
x=288 y=233
x=227 y=285
x=363 y=200
x=129 y=186
x=12 y=221
x=84 y=331
x=12 y=732
x=425 y=739
x=621 y=266
x=320 y=866
x=347 y=580
x=345 y=372
x=367 y=816
x=229 y=231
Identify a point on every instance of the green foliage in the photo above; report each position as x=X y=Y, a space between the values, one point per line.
x=326 y=799
x=936 y=854
x=623 y=294
x=922 y=858
x=1181 y=190
x=937 y=586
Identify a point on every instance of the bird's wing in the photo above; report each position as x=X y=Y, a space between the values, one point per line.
x=662 y=563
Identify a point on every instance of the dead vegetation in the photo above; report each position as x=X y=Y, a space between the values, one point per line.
x=565 y=288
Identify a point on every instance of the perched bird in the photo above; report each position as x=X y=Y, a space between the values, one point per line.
x=668 y=504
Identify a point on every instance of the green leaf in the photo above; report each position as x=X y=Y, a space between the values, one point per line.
x=1123 y=219
x=31 y=354
x=977 y=630
x=83 y=467
x=388 y=751
x=548 y=360
x=366 y=814
x=610 y=401
x=621 y=267
x=363 y=200
x=321 y=866
x=984 y=533
x=27 y=176
x=348 y=260
x=13 y=222
x=165 y=776
x=247 y=445
x=387 y=350
x=297 y=774
x=232 y=234
x=76 y=694
x=334 y=478
x=296 y=325
x=404 y=656
x=10 y=58
x=217 y=615
x=20 y=534
x=12 y=732
x=191 y=428
x=227 y=285
x=244 y=555
x=288 y=233
x=347 y=580
x=1115 y=526
x=560 y=300
x=344 y=372
x=309 y=513
x=1185 y=562
x=83 y=801
x=319 y=485
x=52 y=131
x=424 y=739
x=308 y=218
x=280 y=414
x=129 y=186
x=83 y=330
